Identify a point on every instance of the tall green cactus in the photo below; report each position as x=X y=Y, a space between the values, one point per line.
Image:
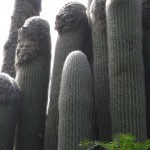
x=23 y=9
x=71 y=24
x=126 y=74
x=100 y=62
x=10 y=105
x=146 y=55
x=32 y=75
x=75 y=102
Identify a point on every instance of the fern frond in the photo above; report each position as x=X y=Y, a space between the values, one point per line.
x=120 y=142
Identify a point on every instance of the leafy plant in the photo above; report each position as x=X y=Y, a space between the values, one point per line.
x=120 y=142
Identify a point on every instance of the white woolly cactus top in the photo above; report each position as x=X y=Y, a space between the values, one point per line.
x=35 y=27
x=70 y=17
x=33 y=39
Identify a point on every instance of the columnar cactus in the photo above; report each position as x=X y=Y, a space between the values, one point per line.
x=23 y=9
x=88 y=5
x=126 y=73
x=100 y=66
x=10 y=105
x=146 y=55
x=32 y=75
x=75 y=102
x=89 y=47
x=71 y=24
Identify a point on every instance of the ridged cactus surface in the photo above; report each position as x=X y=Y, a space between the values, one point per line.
x=10 y=106
x=100 y=67
x=88 y=5
x=126 y=74
x=75 y=102
x=71 y=24
x=32 y=75
x=146 y=55
x=23 y=9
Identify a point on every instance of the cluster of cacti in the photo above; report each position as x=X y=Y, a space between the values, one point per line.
x=23 y=9
x=96 y=88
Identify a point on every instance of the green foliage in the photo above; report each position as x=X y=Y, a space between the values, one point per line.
x=120 y=142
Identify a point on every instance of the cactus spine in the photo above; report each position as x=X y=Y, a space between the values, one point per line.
x=146 y=55
x=101 y=79
x=33 y=66
x=126 y=72
x=71 y=24
x=10 y=103
x=23 y=9
x=75 y=102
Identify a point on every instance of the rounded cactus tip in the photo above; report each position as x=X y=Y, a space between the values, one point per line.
x=35 y=28
x=33 y=40
x=10 y=93
x=76 y=56
x=76 y=53
x=70 y=17
x=97 y=11
x=146 y=14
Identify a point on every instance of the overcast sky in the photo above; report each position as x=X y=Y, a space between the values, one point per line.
x=49 y=11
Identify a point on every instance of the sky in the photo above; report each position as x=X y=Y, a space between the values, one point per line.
x=49 y=11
